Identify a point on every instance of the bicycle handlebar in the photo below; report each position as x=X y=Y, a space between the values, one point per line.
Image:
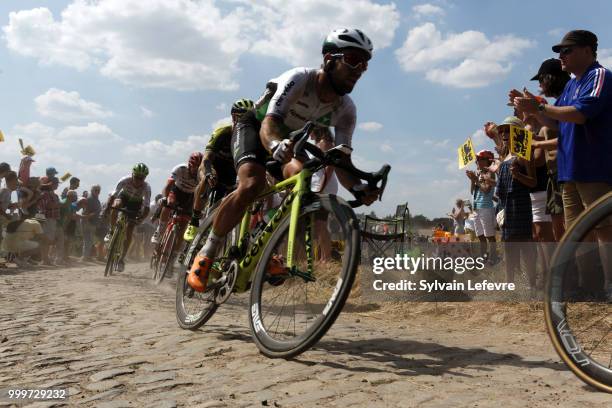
x=339 y=156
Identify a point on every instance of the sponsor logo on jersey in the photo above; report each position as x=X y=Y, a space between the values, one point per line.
x=297 y=115
x=325 y=120
x=284 y=94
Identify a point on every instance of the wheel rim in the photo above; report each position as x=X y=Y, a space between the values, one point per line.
x=288 y=312
x=578 y=321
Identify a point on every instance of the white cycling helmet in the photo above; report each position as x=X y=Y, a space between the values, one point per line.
x=347 y=37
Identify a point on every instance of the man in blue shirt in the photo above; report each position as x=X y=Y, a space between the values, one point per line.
x=583 y=116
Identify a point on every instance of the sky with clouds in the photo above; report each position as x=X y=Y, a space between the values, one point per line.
x=96 y=86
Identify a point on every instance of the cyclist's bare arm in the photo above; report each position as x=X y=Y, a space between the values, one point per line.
x=167 y=187
x=270 y=131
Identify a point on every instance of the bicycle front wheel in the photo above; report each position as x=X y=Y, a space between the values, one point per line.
x=114 y=251
x=166 y=257
x=578 y=315
x=292 y=308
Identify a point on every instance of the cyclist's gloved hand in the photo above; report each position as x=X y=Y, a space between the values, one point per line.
x=195 y=218
x=364 y=193
x=211 y=176
x=282 y=151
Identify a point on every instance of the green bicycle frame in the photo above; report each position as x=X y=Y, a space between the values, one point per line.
x=292 y=202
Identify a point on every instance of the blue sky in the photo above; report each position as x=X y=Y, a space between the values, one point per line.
x=97 y=86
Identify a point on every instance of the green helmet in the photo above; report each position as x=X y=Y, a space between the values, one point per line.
x=140 y=169
x=242 y=106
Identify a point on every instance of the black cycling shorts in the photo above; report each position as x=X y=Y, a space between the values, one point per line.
x=133 y=207
x=181 y=199
x=226 y=173
x=246 y=144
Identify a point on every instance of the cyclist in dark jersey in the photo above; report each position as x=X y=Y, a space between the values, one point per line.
x=217 y=168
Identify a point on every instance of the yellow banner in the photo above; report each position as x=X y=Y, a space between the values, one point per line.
x=520 y=142
x=466 y=153
x=1 y=136
x=65 y=177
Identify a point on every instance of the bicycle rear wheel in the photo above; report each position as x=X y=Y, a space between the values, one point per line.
x=166 y=258
x=579 y=323
x=193 y=309
x=291 y=310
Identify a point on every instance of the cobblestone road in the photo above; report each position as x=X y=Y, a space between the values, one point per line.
x=114 y=342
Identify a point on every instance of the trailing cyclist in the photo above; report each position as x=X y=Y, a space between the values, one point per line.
x=289 y=101
x=179 y=194
x=132 y=193
x=217 y=168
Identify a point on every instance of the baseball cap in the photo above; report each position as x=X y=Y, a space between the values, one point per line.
x=51 y=171
x=577 y=37
x=550 y=66
x=512 y=121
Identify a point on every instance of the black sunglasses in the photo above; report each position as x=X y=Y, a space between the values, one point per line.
x=566 y=50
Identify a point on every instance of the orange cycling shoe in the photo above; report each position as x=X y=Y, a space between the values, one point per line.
x=198 y=275
x=276 y=265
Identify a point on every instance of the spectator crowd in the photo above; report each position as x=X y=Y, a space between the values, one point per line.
x=41 y=224
x=533 y=201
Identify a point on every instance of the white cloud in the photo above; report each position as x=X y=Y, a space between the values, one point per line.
x=370 y=126
x=481 y=140
x=222 y=122
x=86 y=151
x=556 y=32
x=295 y=33
x=176 y=44
x=183 y=44
x=177 y=150
x=427 y=10
x=68 y=106
x=465 y=60
x=604 y=56
x=222 y=106
x=46 y=138
x=146 y=112
x=386 y=147
x=436 y=143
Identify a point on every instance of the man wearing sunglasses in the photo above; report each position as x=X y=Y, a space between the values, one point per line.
x=583 y=117
x=289 y=101
x=134 y=194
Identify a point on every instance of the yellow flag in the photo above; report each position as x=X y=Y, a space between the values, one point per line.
x=466 y=153
x=65 y=177
x=1 y=136
x=520 y=142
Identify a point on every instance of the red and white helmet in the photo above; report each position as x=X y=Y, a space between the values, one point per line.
x=486 y=154
x=195 y=159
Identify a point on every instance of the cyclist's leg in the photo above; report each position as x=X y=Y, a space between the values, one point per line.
x=164 y=216
x=133 y=208
x=249 y=157
x=184 y=201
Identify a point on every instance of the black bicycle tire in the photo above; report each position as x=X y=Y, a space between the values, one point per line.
x=110 y=257
x=563 y=340
x=164 y=263
x=181 y=314
x=275 y=349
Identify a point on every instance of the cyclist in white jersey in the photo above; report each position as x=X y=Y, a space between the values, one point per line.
x=134 y=194
x=179 y=193
x=289 y=101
